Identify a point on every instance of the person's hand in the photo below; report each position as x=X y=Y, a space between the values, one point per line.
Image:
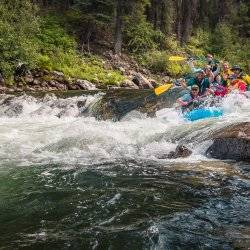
x=184 y=103
x=183 y=83
x=209 y=91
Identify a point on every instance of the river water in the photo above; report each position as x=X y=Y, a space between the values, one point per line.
x=70 y=181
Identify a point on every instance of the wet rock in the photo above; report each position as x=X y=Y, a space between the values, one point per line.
x=14 y=110
x=81 y=104
x=129 y=84
x=8 y=101
x=113 y=87
x=36 y=82
x=39 y=72
x=141 y=81
x=59 y=76
x=153 y=83
x=73 y=87
x=232 y=142
x=2 y=89
x=181 y=151
x=29 y=88
x=85 y=85
x=29 y=79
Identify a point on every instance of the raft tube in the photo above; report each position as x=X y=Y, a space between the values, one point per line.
x=203 y=113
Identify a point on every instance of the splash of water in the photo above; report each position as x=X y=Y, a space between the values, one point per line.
x=51 y=130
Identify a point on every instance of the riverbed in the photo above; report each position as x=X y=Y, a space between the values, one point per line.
x=71 y=181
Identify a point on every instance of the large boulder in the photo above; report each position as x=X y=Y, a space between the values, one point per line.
x=129 y=84
x=232 y=142
x=141 y=81
x=85 y=85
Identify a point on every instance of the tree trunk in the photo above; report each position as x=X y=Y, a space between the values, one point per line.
x=178 y=7
x=118 y=27
x=189 y=11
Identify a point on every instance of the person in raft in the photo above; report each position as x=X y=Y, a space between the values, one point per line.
x=218 y=87
x=239 y=80
x=189 y=98
x=201 y=81
x=211 y=62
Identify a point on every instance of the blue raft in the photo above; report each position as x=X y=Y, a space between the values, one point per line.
x=203 y=113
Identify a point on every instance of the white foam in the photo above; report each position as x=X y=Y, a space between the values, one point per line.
x=38 y=136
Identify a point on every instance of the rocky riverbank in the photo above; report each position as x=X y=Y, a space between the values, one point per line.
x=135 y=77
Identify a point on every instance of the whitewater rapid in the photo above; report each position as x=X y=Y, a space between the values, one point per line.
x=53 y=130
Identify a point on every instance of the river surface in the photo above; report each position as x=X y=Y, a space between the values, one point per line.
x=70 y=181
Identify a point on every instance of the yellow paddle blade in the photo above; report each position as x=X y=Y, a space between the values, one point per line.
x=176 y=58
x=163 y=88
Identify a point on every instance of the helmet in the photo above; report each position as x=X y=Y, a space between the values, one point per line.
x=196 y=87
x=236 y=67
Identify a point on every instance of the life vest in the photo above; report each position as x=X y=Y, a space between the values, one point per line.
x=225 y=75
x=220 y=90
x=238 y=84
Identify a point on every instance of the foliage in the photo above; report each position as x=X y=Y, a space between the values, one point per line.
x=151 y=31
x=43 y=42
x=158 y=62
x=142 y=37
x=53 y=37
x=227 y=44
x=72 y=65
x=58 y=52
x=18 y=26
x=198 y=44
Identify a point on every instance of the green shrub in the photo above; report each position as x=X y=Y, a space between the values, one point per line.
x=141 y=37
x=158 y=62
x=155 y=60
x=19 y=25
x=198 y=44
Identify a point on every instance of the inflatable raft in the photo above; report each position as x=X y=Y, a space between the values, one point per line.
x=203 y=113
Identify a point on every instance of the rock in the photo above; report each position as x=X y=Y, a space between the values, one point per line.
x=181 y=151
x=36 y=82
x=55 y=84
x=29 y=88
x=38 y=72
x=85 y=85
x=8 y=101
x=81 y=104
x=2 y=89
x=165 y=79
x=29 y=79
x=129 y=84
x=20 y=85
x=14 y=110
x=57 y=75
x=141 y=81
x=113 y=87
x=153 y=83
x=73 y=87
x=232 y=142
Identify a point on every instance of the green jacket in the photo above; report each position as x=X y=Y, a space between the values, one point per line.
x=203 y=85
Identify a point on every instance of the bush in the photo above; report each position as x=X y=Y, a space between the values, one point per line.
x=198 y=44
x=141 y=37
x=18 y=28
x=158 y=62
x=58 y=51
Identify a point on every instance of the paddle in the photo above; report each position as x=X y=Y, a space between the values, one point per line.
x=163 y=88
x=177 y=58
x=181 y=58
